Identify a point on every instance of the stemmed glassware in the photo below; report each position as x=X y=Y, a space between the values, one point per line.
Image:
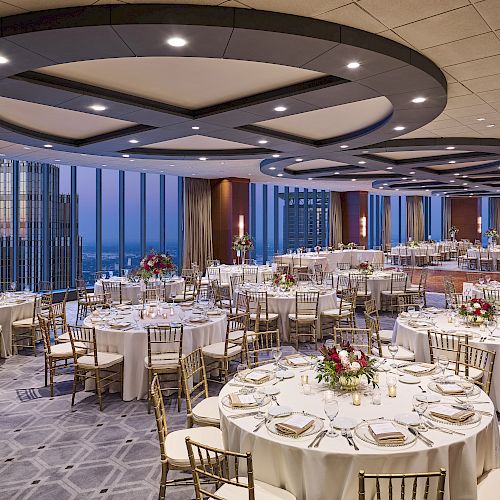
x=491 y=325
x=259 y=398
x=419 y=406
x=467 y=384
x=393 y=350
x=443 y=362
x=331 y=411
x=277 y=355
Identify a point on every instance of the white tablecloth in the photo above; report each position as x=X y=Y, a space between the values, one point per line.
x=133 y=344
x=226 y=271
x=417 y=341
x=132 y=291
x=331 y=470
x=11 y=311
x=494 y=254
x=329 y=260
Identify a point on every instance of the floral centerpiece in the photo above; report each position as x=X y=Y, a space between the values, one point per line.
x=301 y=249
x=242 y=244
x=349 y=246
x=453 y=232
x=317 y=249
x=476 y=311
x=284 y=281
x=155 y=265
x=365 y=267
x=344 y=367
x=491 y=233
x=331 y=249
x=413 y=244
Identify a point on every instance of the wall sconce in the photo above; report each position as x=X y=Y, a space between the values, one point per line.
x=362 y=226
x=241 y=225
x=479 y=225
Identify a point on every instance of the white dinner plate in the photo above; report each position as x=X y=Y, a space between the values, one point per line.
x=410 y=418
x=345 y=422
x=285 y=374
x=279 y=411
x=270 y=390
x=429 y=398
x=409 y=379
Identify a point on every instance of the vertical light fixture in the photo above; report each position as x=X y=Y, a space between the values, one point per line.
x=241 y=225
x=479 y=225
x=362 y=226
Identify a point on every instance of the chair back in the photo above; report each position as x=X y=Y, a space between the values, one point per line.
x=348 y=297
x=447 y=344
x=267 y=277
x=160 y=416
x=359 y=338
x=235 y=323
x=406 y=300
x=83 y=335
x=209 y=464
x=151 y=294
x=306 y=303
x=283 y=269
x=213 y=273
x=57 y=317
x=371 y=307
x=114 y=290
x=470 y=356
x=194 y=379
x=222 y=296
x=44 y=325
x=99 y=275
x=258 y=305
x=241 y=303
x=343 y=281
x=250 y=274
x=359 y=281
x=236 y=281
x=398 y=282
x=413 y=486
x=165 y=341
x=343 y=266
x=492 y=295
x=260 y=346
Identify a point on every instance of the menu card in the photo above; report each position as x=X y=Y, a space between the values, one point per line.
x=242 y=400
x=450 y=414
x=450 y=388
x=295 y=425
x=258 y=376
x=386 y=432
x=297 y=360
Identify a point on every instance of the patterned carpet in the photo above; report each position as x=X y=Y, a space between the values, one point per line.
x=48 y=451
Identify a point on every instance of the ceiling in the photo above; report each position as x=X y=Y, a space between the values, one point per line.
x=462 y=38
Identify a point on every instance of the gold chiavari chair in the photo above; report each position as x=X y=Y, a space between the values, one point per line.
x=343 y=266
x=405 y=258
x=473 y=277
x=385 y=336
x=406 y=300
x=456 y=300
x=99 y=275
x=360 y=282
x=304 y=317
x=189 y=292
x=220 y=354
x=282 y=269
x=260 y=346
x=250 y=274
x=471 y=358
x=151 y=295
x=359 y=338
x=297 y=265
x=214 y=273
x=236 y=281
x=173 y=451
x=370 y=306
x=485 y=260
x=267 y=277
x=187 y=272
x=57 y=316
x=345 y=313
x=56 y=353
x=419 y=486
x=492 y=295
x=201 y=409
x=24 y=332
x=164 y=359
x=447 y=344
x=222 y=296
x=329 y=279
x=398 y=287
x=259 y=314
x=214 y=464
x=115 y=291
x=302 y=277
x=241 y=304
x=421 y=287
x=86 y=301
x=103 y=368
x=461 y=258
x=213 y=262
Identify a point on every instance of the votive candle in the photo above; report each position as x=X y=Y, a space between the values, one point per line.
x=304 y=379
x=356 y=398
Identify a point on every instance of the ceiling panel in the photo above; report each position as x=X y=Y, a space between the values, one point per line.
x=352 y=15
x=199 y=142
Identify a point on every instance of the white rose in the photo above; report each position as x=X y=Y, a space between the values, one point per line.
x=476 y=305
x=346 y=364
x=357 y=354
x=355 y=366
x=343 y=354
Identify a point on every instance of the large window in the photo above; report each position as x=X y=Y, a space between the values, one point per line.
x=153 y=212
x=173 y=217
x=110 y=221
x=86 y=189
x=133 y=219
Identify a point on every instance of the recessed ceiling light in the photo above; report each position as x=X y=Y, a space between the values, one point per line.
x=385 y=184
x=57 y=160
x=480 y=119
x=279 y=109
x=335 y=173
x=353 y=180
x=161 y=171
x=126 y=156
x=452 y=161
x=193 y=174
x=476 y=186
x=272 y=168
x=450 y=147
x=344 y=146
x=464 y=176
x=389 y=168
x=427 y=190
x=280 y=175
x=176 y=41
x=490 y=125
x=195 y=128
x=418 y=100
x=309 y=178
x=97 y=107
x=414 y=180
x=133 y=141
x=411 y=173
x=262 y=141
x=47 y=145
x=397 y=189
x=464 y=184
x=103 y=165
x=353 y=65
x=361 y=162
x=202 y=158
x=381 y=187
x=452 y=181
x=456 y=174
x=276 y=156
x=3 y=60
x=26 y=147
x=299 y=159
x=131 y=159
x=399 y=127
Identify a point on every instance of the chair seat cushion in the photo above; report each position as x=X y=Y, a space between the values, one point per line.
x=403 y=354
x=263 y=491
x=207 y=411
x=104 y=360
x=270 y=316
x=236 y=336
x=64 y=350
x=335 y=313
x=302 y=317
x=394 y=292
x=217 y=350
x=474 y=373
x=163 y=360
x=64 y=337
x=175 y=443
x=385 y=336
x=24 y=323
x=181 y=297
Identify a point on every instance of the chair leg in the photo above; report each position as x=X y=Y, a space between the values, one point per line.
x=149 y=391
x=163 y=481
x=52 y=369
x=45 y=366
x=33 y=339
x=179 y=390
x=98 y=388
x=75 y=382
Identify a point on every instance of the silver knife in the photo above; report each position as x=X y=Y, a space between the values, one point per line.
x=480 y=412
x=260 y=424
x=425 y=440
x=242 y=415
x=321 y=436
x=311 y=444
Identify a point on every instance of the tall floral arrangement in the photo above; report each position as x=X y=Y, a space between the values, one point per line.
x=242 y=243
x=155 y=265
x=345 y=366
x=365 y=267
x=283 y=281
x=453 y=231
x=491 y=233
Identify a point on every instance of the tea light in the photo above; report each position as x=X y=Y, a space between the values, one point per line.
x=356 y=398
x=450 y=318
x=304 y=379
x=391 y=389
x=171 y=311
x=482 y=327
x=376 y=377
x=306 y=388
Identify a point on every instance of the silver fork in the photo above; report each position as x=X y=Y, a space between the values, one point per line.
x=351 y=437
x=344 y=434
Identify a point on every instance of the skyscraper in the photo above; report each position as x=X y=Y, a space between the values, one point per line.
x=35 y=227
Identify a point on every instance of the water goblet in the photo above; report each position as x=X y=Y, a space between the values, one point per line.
x=13 y=286
x=467 y=384
x=411 y=310
x=240 y=369
x=277 y=354
x=331 y=407
x=259 y=399
x=491 y=324
x=393 y=350
x=443 y=362
x=420 y=407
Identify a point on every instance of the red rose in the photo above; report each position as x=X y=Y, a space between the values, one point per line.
x=338 y=367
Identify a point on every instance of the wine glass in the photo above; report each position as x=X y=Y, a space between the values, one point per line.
x=491 y=324
x=467 y=384
x=259 y=399
x=419 y=406
x=242 y=367
x=393 y=350
x=411 y=310
x=277 y=354
x=443 y=362
x=331 y=411
x=13 y=286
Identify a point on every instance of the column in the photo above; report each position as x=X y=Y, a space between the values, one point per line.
x=355 y=217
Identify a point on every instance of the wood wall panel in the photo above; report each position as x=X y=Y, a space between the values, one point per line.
x=230 y=199
x=464 y=214
x=354 y=206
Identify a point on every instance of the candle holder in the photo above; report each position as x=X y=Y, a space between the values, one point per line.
x=392 y=385
x=356 y=398
x=306 y=388
x=304 y=379
x=376 y=397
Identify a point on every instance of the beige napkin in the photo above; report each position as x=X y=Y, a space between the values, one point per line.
x=451 y=414
x=386 y=432
x=419 y=369
x=297 y=360
x=242 y=401
x=258 y=377
x=295 y=425
x=450 y=389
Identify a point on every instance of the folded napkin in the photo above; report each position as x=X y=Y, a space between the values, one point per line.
x=257 y=376
x=295 y=425
x=297 y=360
x=386 y=432
x=419 y=369
x=451 y=414
x=242 y=400
x=450 y=389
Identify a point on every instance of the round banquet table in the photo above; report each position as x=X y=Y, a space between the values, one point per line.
x=474 y=253
x=132 y=341
x=226 y=271
x=131 y=291
x=415 y=338
x=14 y=306
x=283 y=303
x=331 y=470
x=329 y=260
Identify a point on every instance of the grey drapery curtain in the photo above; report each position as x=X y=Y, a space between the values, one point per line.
x=386 y=222
x=495 y=213
x=415 y=218
x=197 y=222
x=335 y=218
x=447 y=218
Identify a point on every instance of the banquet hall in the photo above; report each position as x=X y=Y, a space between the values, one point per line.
x=250 y=249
